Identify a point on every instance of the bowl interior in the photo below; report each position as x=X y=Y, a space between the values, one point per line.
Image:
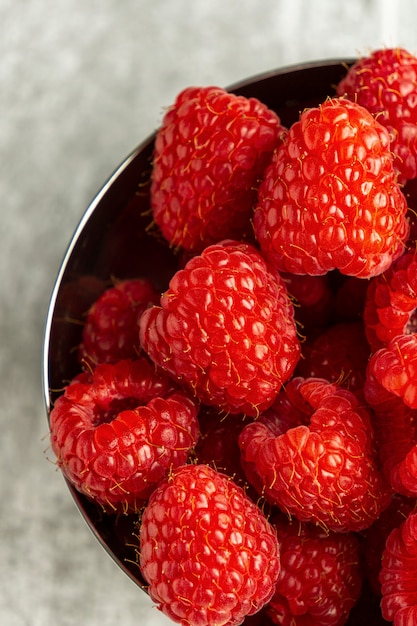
x=113 y=240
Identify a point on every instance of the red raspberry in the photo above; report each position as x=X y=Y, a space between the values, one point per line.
x=225 y=329
x=399 y=573
x=330 y=199
x=376 y=536
x=323 y=469
x=339 y=354
x=396 y=430
x=320 y=578
x=391 y=302
x=117 y=432
x=210 y=155
x=394 y=368
x=385 y=83
x=208 y=553
x=288 y=411
x=111 y=329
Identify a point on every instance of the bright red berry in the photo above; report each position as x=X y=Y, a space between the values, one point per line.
x=395 y=426
x=117 y=432
x=320 y=578
x=210 y=154
x=324 y=468
x=385 y=83
x=395 y=368
x=398 y=574
x=375 y=536
x=330 y=198
x=225 y=329
x=209 y=555
x=391 y=302
x=111 y=329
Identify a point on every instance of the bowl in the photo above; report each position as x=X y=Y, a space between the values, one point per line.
x=113 y=240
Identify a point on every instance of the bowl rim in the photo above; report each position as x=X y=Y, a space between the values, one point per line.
x=240 y=84
x=75 y=237
x=76 y=234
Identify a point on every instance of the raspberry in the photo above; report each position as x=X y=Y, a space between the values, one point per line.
x=320 y=578
x=395 y=366
x=339 y=354
x=210 y=154
x=111 y=329
x=225 y=329
x=329 y=198
x=324 y=468
x=399 y=573
x=209 y=555
x=391 y=302
x=396 y=429
x=288 y=411
x=385 y=83
x=207 y=378
x=117 y=432
x=376 y=536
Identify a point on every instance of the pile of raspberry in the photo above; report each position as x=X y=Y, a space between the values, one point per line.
x=258 y=419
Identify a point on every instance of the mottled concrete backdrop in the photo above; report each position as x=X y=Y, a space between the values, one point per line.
x=81 y=84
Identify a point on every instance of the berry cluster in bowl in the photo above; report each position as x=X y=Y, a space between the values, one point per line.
x=239 y=415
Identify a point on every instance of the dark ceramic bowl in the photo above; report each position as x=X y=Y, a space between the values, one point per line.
x=112 y=240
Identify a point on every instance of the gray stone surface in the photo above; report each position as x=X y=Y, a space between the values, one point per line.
x=81 y=84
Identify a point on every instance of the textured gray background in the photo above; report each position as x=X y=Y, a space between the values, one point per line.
x=81 y=84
